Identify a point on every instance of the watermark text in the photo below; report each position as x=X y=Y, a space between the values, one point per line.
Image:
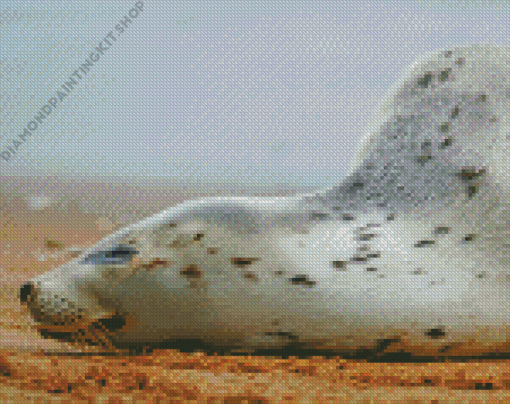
x=74 y=78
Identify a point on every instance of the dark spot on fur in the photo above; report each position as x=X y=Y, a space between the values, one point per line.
x=336 y=207
x=424 y=243
x=348 y=217
x=357 y=185
x=198 y=237
x=481 y=98
x=447 y=143
x=426 y=144
x=425 y=80
x=156 y=262
x=418 y=271
x=460 y=61
x=435 y=333
x=445 y=127
x=424 y=158
x=319 y=215
x=472 y=190
x=371 y=269
x=481 y=275
x=242 y=262
x=212 y=251
x=365 y=237
x=132 y=242
x=249 y=275
x=172 y=224
x=447 y=54
x=443 y=76
x=441 y=230
x=339 y=264
x=191 y=272
x=469 y=173
x=177 y=244
x=278 y=273
x=390 y=217
x=364 y=258
x=469 y=237
x=302 y=280
x=455 y=112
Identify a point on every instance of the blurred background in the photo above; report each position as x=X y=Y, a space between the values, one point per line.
x=205 y=98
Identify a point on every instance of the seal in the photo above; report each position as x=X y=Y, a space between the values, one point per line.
x=408 y=254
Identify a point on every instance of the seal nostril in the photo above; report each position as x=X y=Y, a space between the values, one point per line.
x=25 y=292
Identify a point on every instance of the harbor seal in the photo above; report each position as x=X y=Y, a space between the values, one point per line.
x=408 y=254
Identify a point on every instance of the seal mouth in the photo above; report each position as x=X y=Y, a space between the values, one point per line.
x=100 y=332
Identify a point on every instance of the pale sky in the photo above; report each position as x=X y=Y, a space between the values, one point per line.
x=249 y=92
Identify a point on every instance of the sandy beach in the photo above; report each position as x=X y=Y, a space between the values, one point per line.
x=42 y=226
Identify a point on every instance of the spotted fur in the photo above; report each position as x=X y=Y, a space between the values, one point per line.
x=408 y=253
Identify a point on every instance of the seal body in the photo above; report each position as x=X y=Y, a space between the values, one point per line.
x=408 y=254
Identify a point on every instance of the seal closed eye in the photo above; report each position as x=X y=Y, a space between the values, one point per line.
x=121 y=254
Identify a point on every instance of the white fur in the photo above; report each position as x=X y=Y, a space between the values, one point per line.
x=416 y=253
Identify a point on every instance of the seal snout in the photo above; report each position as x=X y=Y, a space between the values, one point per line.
x=27 y=292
